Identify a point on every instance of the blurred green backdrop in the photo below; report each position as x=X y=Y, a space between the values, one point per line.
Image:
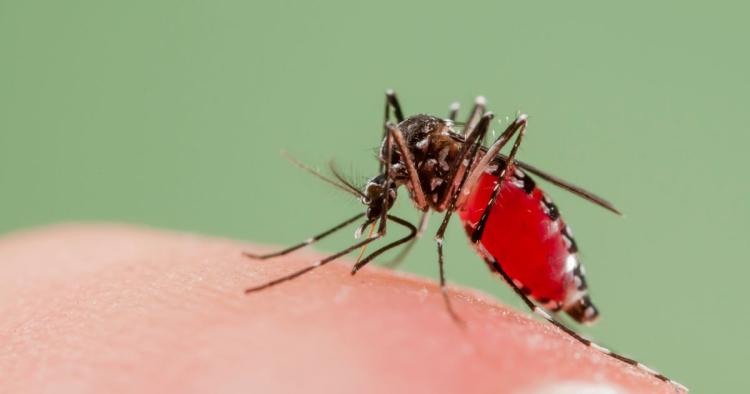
x=172 y=114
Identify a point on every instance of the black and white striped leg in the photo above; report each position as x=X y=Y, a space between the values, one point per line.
x=492 y=153
x=391 y=102
x=453 y=114
x=467 y=154
x=561 y=183
x=314 y=265
x=539 y=311
x=482 y=128
x=475 y=115
x=306 y=242
x=388 y=141
x=409 y=238
x=405 y=251
x=443 y=287
x=518 y=125
x=334 y=256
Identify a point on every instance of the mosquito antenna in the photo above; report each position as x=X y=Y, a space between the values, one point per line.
x=348 y=188
x=343 y=180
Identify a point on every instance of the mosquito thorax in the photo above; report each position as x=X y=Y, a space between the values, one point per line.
x=373 y=196
x=433 y=149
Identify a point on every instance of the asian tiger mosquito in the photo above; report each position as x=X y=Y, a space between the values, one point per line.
x=449 y=171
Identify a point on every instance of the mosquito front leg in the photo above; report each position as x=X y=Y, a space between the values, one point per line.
x=306 y=242
x=328 y=259
x=409 y=238
x=405 y=251
x=314 y=265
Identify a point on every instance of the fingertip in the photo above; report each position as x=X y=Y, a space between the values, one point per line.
x=117 y=303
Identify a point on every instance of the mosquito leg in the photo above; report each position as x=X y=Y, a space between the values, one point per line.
x=391 y=101
x=495 y=266
x=577 y=190
x=409 y=238
x=411 y=169
x=405 y=251
x=314 y=265
x=476 y=235
x=455 y=106
x=443 y=287
x=463 y=183
x=305 y=242
x=388 y=158
x=482 y=129
x=475 y=115
x=492 y=152
x=469 y=149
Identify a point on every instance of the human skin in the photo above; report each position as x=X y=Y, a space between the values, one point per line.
x=110 y=308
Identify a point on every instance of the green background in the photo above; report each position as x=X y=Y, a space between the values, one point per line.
x=172 y=114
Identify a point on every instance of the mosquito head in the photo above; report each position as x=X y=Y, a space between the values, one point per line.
x=378 y=197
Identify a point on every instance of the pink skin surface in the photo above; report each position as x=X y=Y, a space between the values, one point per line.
x=106 y=308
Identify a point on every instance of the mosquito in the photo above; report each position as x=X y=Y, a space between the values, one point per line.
x=511 y=223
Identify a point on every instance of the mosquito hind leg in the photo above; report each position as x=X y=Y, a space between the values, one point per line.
x=565 y=185
x=476 y=236
x=306 y=242
x=539 y=311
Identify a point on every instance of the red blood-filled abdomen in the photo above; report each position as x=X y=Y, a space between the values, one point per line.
x=523 y=236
